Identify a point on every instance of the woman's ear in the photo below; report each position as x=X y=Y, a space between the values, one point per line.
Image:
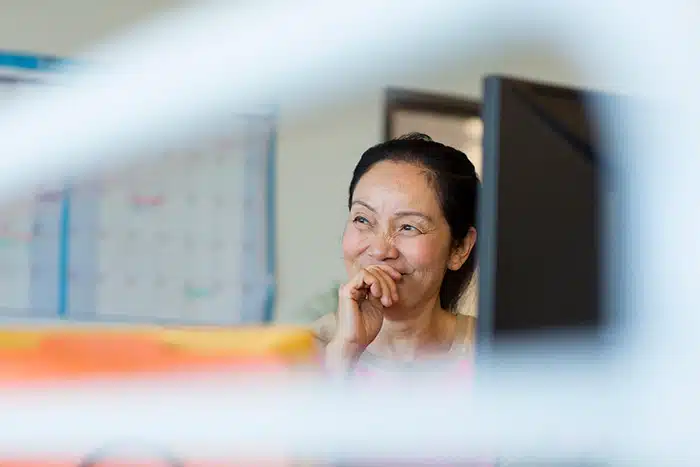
x=461 y=251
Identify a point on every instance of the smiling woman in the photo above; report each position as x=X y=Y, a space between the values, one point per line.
x=409 y=253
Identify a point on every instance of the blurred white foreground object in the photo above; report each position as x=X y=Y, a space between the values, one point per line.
x=184 y=70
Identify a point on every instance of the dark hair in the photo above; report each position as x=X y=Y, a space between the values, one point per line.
x=456 y=184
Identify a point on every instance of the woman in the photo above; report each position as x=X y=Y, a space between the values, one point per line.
x=409 y=251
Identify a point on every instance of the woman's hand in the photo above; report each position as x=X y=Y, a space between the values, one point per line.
x=361 y=304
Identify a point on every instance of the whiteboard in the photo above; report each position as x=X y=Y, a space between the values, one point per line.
x=183 y=238
x=30 y=222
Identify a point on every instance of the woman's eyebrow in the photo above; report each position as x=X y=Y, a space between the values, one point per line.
x=402 y=213
x=362 y=203
x=413 y=214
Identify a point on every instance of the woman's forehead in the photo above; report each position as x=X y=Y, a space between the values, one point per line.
x=398 y=185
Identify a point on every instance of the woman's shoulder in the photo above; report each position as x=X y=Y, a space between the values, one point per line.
x=324 y=327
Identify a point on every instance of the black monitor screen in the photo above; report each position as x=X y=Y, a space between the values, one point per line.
x=539 y=221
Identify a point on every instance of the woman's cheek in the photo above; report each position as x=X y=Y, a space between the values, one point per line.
x=353 y=242
x=422 y=252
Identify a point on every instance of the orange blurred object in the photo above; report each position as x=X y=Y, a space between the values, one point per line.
x=70 y=354
x=29 y=357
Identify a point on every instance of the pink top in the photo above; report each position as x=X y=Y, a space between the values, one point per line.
x=457 y=361
x=372 y=366
x=458 y=364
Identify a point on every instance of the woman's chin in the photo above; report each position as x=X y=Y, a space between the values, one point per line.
x=396 y=310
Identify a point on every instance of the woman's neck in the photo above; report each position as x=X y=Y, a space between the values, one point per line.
x=415 y=334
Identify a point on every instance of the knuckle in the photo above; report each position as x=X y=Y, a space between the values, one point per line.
x=367 y=276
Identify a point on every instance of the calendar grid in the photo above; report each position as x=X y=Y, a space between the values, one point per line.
x=184 y=238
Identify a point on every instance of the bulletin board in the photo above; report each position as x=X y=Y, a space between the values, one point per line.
x=187 y=237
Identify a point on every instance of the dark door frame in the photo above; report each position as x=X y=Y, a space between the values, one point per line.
x=396 y=99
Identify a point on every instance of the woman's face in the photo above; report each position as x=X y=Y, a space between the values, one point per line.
x=395 y=219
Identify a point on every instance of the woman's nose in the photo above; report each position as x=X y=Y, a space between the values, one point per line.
x=383 y=248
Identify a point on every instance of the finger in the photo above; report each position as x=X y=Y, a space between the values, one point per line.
x=356 y=294
x=393 y=288
x=393 y=273
x=394 y=276
x=362 y=284
x=375 y=282
x=387 y=284
x=355 y=288
x=384 y=295
x=376 y=288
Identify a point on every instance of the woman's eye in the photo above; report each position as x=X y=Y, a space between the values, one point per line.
x=360 y=220
x=408 y=228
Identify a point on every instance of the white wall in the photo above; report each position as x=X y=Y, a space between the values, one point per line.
x=316 y=154
x=64 y=27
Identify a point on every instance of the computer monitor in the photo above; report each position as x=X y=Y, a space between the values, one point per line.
x=541 y=214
